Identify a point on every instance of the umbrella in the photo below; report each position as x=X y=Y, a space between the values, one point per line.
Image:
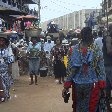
x=30 y=17
x=20 y=17
x=27 y=17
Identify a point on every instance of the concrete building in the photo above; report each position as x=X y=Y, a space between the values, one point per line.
x=107 y=7
x=72 y=20
x=107 y=10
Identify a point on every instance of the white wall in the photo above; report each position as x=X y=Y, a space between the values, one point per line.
x=73 y=20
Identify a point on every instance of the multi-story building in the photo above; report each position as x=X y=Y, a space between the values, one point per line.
x=107 y=7
x=10 y=9
x=13 y=5
x=107 y=10
x=16 y=7
x=72 y=20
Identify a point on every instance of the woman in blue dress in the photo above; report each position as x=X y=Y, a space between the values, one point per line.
x=87 y=74
x=6 y=59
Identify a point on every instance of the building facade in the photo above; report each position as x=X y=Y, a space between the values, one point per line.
x=107 y=11
x=106 y=7
x=11 y=9
x=72 y=20
x=18 y=5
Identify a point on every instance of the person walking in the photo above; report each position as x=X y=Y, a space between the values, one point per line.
x=107 y=54
x=6 y=59
x=59 y=68
x=47 y=49
x=33 y=53
x=87 y=74
x=99 y=40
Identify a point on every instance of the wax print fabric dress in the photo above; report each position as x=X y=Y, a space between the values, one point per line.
x=34 y=59
x=6 y=58
x=89 y=78
x=59 y=67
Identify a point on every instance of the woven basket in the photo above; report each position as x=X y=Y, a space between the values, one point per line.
x=55 y=35
x=32 y=32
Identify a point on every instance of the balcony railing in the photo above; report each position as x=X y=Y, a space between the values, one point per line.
x=10 y=5
x=14 y=6
x=17 y=7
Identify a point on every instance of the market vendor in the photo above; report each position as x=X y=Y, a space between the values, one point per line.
x=33 y=52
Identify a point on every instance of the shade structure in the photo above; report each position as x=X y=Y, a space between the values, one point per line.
x=30 y=17
x=21 y=17
x=27 y=17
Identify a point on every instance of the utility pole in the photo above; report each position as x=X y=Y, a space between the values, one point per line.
x=39 y=7
x=107 y=16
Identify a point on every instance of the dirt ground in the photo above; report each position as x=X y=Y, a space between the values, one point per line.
x=44 y=97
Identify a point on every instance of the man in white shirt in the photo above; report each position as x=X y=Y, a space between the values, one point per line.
x=48 y=45
x=98 y=41
x=47 y=48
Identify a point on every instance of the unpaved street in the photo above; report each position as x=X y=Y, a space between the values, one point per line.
x=44 y=97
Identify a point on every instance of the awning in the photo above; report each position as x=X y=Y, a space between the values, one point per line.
x=31 y=16
x=27 y=17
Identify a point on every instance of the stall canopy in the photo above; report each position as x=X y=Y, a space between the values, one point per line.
x=30 y=16
x=27 y=17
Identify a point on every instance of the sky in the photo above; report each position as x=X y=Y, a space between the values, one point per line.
x=55 y=8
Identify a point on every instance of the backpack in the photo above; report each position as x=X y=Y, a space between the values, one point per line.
x=108 y=41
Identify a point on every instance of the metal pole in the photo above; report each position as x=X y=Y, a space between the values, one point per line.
x=39 y=11
x=21 y=5
x=107 y=16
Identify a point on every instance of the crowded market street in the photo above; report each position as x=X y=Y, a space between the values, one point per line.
x=44 y=97
x=55 y=55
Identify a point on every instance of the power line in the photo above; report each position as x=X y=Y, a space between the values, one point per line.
x=72 y=4
x=57 y=9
